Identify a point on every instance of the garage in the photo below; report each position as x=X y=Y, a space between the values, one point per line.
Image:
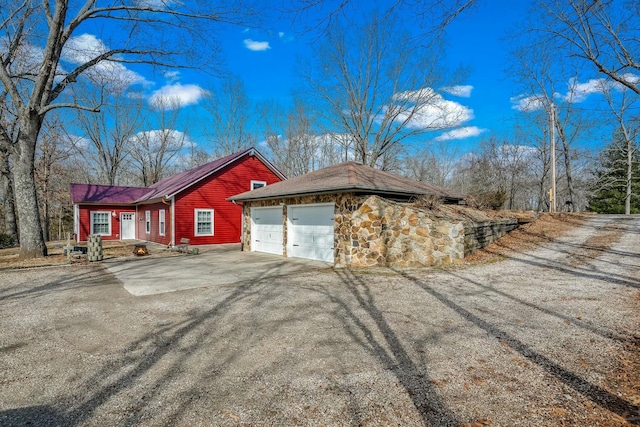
x=267 y=230
x=310 y=230
x=349 y=215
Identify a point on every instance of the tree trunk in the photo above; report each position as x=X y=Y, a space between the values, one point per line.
x=627 y=200
x=566 y=152
x=568 y=172
x=6 y=182
x=32 y=244
x=46 y=221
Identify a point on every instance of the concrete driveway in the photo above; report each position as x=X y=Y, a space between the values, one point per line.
x=214 y=266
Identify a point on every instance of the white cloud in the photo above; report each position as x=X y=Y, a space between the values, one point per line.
x=429 y=110
x=528 y=103
x=156 y=4
x=86 y=47
x=438 y=113
x=578 y=92
x=79 y=141
x=461 y=133
x=27 y=58
x=420 y=95
x=136 y=95
x=256 y=46
x=168 y=138
x=463 y=91
x=172 y=76
x=631 y=78
x=285 y=37
x=176 y=95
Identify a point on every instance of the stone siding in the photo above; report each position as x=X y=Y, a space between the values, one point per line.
x=386 y=233
x=373 y=231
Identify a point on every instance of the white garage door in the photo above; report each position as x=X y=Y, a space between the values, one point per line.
x=310 y=232
x=266 y=230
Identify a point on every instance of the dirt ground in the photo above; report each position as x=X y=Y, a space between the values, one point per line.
x=540 y=328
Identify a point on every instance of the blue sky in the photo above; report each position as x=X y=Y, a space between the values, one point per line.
x=265 y=58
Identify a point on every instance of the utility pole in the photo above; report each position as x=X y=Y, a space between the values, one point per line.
x=552 y=195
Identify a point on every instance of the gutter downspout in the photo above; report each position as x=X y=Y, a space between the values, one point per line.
x=173 y=221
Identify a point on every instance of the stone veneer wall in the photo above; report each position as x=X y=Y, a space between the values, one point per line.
x=386 y=233
x=373 y=231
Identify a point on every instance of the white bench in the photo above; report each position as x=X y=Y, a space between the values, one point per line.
x=184 y=245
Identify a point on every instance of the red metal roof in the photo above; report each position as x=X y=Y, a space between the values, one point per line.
x=106 y=194
x=168 y=187
x=174 y=184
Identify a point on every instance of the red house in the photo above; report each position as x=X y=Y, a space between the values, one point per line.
x=191 y=204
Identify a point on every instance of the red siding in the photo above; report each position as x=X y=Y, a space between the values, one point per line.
x=85 y=220
x=154 y=235
x=212 y=193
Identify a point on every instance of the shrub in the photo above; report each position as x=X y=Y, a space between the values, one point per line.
x=487 y=200
x=428 y=202
x=7 y=241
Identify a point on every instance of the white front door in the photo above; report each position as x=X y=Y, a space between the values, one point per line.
x=127 y=226
x=267 y=230
x=310 y=232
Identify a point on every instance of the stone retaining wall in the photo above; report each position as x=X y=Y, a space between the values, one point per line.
x=480 y=234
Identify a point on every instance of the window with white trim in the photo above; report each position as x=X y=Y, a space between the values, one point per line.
x=161 y=222
x=101 y=223
x=258 y=184
x=147 y=222
x=203 y=221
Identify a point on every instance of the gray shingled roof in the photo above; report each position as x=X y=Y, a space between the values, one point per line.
x=346 y=177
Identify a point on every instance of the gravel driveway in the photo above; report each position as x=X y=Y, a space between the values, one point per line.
x=533 y=340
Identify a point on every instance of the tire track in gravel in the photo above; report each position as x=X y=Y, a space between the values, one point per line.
x=557 y=304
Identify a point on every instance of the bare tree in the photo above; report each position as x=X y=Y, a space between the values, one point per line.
x=374 y=83
x=600 y=33
x=193 y=157
x=230 y=126
x=431 y=16
x=53 y=150
x=293 y=144
x=543 y=81
x=36 y=37
x=107 y=135
x=433 y=164
x=497 y=174
x=532 y=129
x=153 y=151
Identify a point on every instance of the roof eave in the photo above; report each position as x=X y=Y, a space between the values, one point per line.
x=104 y=203
x=331 y=191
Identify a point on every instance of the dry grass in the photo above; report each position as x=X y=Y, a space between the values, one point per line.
x=534 y=231
x=10 y=258
x=547 y=228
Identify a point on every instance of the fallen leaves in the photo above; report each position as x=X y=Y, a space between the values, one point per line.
x=478 y=423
